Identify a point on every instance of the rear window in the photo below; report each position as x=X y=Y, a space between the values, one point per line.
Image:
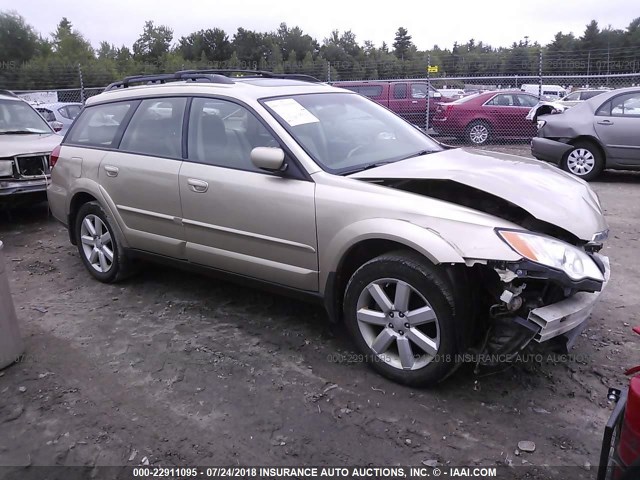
x=465 y=99
x=588 y=95
x=47 y=114
x=98 y=125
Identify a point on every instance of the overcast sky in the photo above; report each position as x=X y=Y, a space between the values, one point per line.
x=498 y=23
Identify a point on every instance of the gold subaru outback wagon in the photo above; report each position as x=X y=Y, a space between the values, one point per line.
x=424 y=251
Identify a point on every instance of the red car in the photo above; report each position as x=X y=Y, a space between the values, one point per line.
x=487 y=116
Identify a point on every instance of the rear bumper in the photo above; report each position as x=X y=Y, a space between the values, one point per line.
x=569 y=314
x=549 y=150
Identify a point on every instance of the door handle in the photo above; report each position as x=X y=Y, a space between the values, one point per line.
x=605 y=122
x=111 y=171
x=198 y=186
x=414 y=101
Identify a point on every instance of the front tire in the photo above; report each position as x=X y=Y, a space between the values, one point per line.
x=97 y=244
x=400 y=312
x=585 y=161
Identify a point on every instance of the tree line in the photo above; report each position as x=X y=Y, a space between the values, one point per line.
x=29 y=60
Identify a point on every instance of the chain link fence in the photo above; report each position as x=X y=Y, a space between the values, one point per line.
x=487 y=110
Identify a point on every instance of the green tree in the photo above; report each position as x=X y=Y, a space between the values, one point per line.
x=214 y=44
x=402 y=43
x=70 y=45
x=153 y=43
x=18 y=40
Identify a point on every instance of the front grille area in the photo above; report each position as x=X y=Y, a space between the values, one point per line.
x=33 y=166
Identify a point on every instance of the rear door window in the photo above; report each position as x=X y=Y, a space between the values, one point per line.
x=400 y=91
x=99 y=125
x=626 y=105
x=156 y=128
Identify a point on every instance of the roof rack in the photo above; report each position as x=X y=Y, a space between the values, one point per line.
x=241 y=73
x=8 y=93
x=223 y=76
x=192 y=75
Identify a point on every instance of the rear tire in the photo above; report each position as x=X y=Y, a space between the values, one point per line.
x=585 y=161
x=400 y=311
x=478 y=133
x=98 y=245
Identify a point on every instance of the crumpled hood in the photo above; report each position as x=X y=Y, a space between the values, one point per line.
x=11 y=145
x=544 y=191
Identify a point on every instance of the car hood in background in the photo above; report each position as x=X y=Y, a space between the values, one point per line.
x=543 y=190
x=24 y=144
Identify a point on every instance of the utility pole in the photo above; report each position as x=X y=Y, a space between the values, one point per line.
x=81 y=84
x=426 y=123
x=540 y=74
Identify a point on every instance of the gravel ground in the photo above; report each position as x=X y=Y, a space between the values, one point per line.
x=171 y=368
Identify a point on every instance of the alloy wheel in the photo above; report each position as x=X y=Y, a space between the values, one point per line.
x=97 y=243
x=403 y=332
x=479 y=134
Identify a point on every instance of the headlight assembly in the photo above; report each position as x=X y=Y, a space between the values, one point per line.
x=6 y=168
x=541 y=123
x=552 y=253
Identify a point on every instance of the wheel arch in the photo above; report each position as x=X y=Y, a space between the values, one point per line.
x=349 y=251
x=590 y=139
x=77 y=200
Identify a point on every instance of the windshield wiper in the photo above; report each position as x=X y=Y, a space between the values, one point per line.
x=18 y=132
x=417 y=154
x=365 y=167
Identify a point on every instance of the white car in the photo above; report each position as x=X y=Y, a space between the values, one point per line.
x=62 y=113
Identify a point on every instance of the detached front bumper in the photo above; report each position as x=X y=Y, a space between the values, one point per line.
x=17 y=187
x=549 y=150
x=569 y=314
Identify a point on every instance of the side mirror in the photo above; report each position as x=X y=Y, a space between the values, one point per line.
x=268 y=158
x=435 y=94
x=57 y=126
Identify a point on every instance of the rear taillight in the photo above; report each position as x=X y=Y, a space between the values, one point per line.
x=53 y=158
x=629 y=445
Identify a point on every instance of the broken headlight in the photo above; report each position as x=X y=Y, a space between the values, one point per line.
x=552 y=253
x=6 y=168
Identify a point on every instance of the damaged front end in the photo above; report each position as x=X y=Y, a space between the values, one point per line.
x=528 y=301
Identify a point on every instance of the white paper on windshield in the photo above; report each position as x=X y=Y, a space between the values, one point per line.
x=292 y=112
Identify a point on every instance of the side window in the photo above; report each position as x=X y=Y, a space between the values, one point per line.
x=626 y=105
x=156 y=128
x=400 y=91
x=502 y=100
x=63 y=112
x=73 y=111
x=604 y=110
x=572 y=97
x=223 y=133
x=372 y=91
x=527 y=101
x=98 y=125
x=419 y=90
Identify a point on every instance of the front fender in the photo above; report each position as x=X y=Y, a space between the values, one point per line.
x=423 y=240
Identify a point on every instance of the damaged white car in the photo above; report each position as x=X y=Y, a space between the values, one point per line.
x=423 y=251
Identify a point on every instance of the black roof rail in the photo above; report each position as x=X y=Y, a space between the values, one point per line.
x=224 y=76
x=192 y=75
x=241 y=73
x=8 y=93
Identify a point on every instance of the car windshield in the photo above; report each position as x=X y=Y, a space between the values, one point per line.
x=345 y=133
x=19 y=117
